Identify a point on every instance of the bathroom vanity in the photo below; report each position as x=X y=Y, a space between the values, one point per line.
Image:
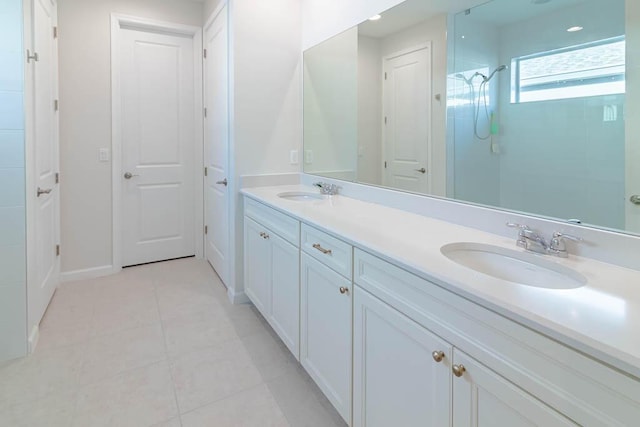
x=396 y=333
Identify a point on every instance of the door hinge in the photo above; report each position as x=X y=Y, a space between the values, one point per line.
x=55 y=32
x=56 y=105
x=385 y=75
x=385 y=120
x=204 y=53
x=57 y=177
x=206 y=229
x=385 y=164
x=35 y=56
x=57 y=250
x=206 y=172
x=205 y=112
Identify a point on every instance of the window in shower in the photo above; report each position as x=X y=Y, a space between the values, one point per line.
x=591 y=69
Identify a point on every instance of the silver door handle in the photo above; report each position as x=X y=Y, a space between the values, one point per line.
x=41 y=191
x=129 y=175
x=635 y=199
x=223 y=182
x=421 y=170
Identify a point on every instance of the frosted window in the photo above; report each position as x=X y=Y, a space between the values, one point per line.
x=590 y=69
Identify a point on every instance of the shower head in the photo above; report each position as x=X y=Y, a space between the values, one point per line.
x=461 y=76
x=500 y=68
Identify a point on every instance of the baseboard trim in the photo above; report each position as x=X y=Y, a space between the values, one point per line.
x=237 y=297
x=34 y=337
x=88 y=273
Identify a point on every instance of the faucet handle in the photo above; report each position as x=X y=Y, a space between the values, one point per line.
x=559 y=235
x=557 y=244
x=522 y=227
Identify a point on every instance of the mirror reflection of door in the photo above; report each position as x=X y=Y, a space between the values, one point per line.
x=407 y=119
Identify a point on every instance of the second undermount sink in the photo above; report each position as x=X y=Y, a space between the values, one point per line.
x=513 y=266
x=300 y=196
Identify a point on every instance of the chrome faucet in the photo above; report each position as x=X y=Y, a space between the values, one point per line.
x=328 y=189
x=531 y=240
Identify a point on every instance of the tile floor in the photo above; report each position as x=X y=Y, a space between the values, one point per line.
x=158 y=345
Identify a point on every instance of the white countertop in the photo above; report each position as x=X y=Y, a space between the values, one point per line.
x=601 y=319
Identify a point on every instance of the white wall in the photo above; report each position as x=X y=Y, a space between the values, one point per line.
x=85 y=119
x=369 y=111
x=13 y=304
x=331 y=105
x=266 y=100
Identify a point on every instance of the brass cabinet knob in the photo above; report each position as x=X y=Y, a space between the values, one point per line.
x=344 y=290
x=438 y=356
x=458 y=370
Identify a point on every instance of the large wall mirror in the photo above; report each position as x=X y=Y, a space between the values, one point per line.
x=525 y=105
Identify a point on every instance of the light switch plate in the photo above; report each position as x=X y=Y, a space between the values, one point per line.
x=308 y=156
x=103 y=154
x=293 y=157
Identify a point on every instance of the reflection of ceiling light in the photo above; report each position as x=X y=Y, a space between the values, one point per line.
x=375 y=17
x=574 y=29
x=540 y=1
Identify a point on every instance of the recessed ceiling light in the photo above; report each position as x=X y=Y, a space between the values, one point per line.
x=574 y=29
x=375 y=17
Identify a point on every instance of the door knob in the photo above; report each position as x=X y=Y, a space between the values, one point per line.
x=458 y=370
x=421 y=170
x=438 y=356
x=223 y=182
x=129 y=175
x=635 y=199
x=41 y=191
x=344 y=290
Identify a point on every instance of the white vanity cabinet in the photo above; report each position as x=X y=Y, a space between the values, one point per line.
x=512 y=376
x=402 y=372
x=272 y=269
x=325 y=316
x=482 y=398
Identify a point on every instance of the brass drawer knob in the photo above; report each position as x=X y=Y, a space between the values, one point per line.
x=344 y=290
x=438 y=356
x=458 y=370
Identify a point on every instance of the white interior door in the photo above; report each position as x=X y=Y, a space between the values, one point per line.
x=45 y=137
x=217 y=146
x=407 y=117
x=157 y=131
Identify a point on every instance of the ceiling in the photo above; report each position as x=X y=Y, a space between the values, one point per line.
x=497 y=12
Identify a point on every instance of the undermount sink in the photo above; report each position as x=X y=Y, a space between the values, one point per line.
x=300 y=196
x=513 y=266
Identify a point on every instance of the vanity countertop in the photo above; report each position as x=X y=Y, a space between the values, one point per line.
x=601 y=319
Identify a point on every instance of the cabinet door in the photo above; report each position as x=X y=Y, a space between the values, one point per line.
x=483 y=398
x=325 y=336
x=397 y=379
x=285 y=292
x=257 y=266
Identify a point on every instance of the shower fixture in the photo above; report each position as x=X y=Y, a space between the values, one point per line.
x=482 y=94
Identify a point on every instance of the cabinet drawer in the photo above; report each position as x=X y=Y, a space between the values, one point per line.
x=286 y=227
x=583 y=389
x=327 y=249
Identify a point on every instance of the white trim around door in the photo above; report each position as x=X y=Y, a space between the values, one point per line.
x=119 y=21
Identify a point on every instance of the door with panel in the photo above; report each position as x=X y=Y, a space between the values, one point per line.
x=157 y=125
x=325 y=331
x=402 y=372
x=216 y=134
x=257 y=266
x=45 y=143
x=284 y=316
x=407 y=120
x=482 y=398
